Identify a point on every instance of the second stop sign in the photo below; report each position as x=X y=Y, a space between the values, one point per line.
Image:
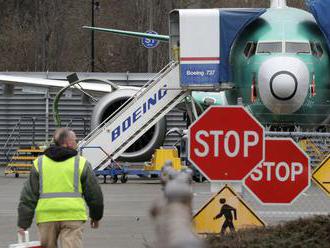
x=284 y=174
x=226 y=143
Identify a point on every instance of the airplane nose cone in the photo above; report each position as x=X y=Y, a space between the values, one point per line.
x=283 y=84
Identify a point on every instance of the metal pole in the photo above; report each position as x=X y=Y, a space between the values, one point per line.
x=85 y=131
x=47 y=117
x=19 y=133
x=92 y=40
x=194 y=110
x=34 y=131
x=150 y=50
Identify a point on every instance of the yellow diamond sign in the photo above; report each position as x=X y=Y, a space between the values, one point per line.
x=321 y=175
x=225 y=212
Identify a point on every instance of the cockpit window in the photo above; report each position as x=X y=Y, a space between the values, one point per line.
x=297 y=47
x=269 y=47
x=250 y=49
x=317 y=50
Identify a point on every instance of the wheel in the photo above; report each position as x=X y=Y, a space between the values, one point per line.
x=197 y=177
x=16 y=175
x=124 y=178
x=113 y=179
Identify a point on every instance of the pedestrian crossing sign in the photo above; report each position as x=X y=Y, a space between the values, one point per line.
x=225 y=212
x=321 y=175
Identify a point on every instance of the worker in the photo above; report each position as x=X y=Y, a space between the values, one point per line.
x=59 y=183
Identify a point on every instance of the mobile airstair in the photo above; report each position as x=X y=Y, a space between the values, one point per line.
x=118 y=132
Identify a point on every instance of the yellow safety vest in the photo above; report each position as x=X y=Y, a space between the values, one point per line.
x=60 y=190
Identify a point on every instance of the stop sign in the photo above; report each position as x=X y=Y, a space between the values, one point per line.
x=226 y=143
x=284 y=174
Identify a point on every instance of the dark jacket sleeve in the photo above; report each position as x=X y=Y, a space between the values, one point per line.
x=28 y=200
x=92 y=192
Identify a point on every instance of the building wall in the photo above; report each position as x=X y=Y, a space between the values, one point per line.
x=23 y=116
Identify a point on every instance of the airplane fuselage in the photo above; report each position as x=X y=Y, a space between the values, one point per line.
x=284 y=55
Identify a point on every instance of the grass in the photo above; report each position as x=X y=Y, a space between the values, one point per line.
x=312 y=232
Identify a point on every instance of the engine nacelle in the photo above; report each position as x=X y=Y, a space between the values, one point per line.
x=145 y=146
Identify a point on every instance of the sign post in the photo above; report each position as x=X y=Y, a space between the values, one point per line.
x=284 y=174
x=226 y=143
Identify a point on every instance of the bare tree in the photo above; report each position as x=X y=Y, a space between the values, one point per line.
x=39 y=35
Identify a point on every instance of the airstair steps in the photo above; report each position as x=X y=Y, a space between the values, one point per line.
x=142 y=111
x=37 y=150
x=29 y=158
x=19 y=165
x=146 y=127
x=22 y=160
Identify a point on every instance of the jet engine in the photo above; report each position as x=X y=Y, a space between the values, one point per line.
x=145 y=146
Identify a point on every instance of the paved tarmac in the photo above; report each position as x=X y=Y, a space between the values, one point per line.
x=126 y=221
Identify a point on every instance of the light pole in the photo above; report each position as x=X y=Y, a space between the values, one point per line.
x=150 y=51
x=95 y=5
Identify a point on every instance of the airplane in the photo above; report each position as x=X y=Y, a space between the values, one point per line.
x=280 y=64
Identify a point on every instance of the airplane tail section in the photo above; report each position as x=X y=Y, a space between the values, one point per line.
x=117 y=133
x=278 y=3
x=164 y=38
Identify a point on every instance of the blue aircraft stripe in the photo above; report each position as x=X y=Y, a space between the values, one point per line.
x=199 y=74
x=232 y=23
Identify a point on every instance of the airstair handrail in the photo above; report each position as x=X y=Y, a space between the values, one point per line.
x=77 y=118
x=125 y=105
x=11 y=134
x=13 y=137
x=17 y=125
x=8 y=148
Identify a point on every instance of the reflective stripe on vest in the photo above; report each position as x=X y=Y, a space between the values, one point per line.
x=74 y=194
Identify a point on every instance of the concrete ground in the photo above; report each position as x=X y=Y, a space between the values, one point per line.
x=126 y=221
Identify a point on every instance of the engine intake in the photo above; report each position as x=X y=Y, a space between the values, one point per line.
x=145 y=146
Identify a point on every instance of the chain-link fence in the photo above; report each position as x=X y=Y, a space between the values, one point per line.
x=314 y=201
